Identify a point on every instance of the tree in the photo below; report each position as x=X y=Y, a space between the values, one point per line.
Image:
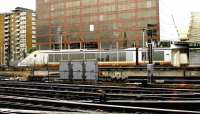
x=31 y=50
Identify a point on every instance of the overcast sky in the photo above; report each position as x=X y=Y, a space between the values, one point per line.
x=7 y=5
x=180 y=8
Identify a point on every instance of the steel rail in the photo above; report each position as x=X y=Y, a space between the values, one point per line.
x=94 y=87
x=92 y=95
x=92 y=106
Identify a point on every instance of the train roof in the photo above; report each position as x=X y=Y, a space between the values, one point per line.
x=93 y=51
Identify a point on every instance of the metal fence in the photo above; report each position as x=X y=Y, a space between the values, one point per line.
x=78 y=70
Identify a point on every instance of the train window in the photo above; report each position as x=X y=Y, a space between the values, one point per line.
x=122 y=56
x=144 y=56
x=113 y=57
x=164 y=44
x=76 y=57
x=107 y=58
x=75 y=46
x=158 y=56
x=90 y=56
x=92 y=45
x=54 y=57
x=101 y=57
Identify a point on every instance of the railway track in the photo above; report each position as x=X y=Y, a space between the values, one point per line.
x=23 y=111
x=91 y=88
x=85 y=92
x=74 y=95
x=31 y=104
x=62 y=91
x=63 y=94
x=116 y=96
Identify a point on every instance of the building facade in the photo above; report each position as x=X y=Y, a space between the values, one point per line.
x=194 y=30
x=106 y=24
x=2 y=39
x=17 y=34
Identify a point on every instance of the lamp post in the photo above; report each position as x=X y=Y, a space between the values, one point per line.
x=84 y=51
x=59 y=35
x=117 y=51
x=68 y=51
x=34 y=65
x=143 y=43
x=61 y=38
x=100 y=50
x=91 y=29
x=1 y=55
x=150 y=66
x=143 y=36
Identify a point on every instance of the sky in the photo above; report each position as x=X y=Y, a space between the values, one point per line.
x=7 y=5
x=180 y=8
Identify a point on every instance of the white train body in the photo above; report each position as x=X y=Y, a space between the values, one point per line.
x=171 y=56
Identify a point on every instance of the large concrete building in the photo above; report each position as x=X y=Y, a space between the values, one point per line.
x=99 y=23
x=17 y=34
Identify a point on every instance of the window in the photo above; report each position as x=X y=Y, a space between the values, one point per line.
x=149 y=3
x=45 y=1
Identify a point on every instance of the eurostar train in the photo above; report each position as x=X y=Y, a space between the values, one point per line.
x=108 y=58
x=120 y=64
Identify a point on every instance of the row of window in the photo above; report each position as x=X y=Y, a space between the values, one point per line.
x=60 y=7
x=78 y=3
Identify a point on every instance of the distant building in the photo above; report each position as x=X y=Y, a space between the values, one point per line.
x=194 y=30
x=100 y=23
x=17 y=34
